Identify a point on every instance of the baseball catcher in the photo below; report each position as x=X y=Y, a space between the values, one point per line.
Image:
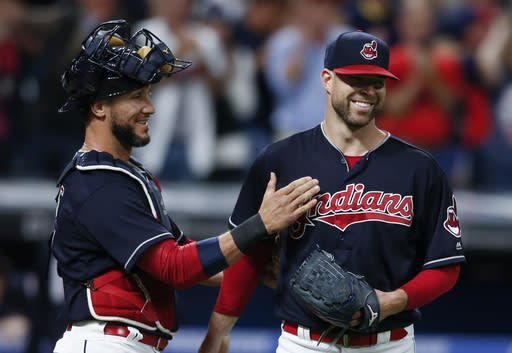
x=334 y=294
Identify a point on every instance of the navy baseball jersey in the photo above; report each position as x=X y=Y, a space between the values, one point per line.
x=108 y=212
x=390 y=216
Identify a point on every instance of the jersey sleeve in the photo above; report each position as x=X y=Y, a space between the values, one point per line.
x=118 y=220
x=183 y=265
x=428 y=285
x=445 y=244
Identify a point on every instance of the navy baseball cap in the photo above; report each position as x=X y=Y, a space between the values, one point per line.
x=358 y=53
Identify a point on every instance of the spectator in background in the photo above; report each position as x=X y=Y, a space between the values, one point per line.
x=372 y=16
x=52 y=37
x=11 y=12
x=467 y=23
x=244 y=105
x=427 y=106
x=294 y=56
x=183 y=131
x=420 y=107
x=494 y=59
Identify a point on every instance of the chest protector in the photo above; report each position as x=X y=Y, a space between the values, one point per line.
x=136 y=299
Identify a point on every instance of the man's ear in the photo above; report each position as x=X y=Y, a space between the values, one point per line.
x=99 y=109
x=327 y=79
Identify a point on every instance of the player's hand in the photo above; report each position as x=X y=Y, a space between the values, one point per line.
x=281 y=208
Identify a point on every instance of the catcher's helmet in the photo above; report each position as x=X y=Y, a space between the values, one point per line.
x=111 y=63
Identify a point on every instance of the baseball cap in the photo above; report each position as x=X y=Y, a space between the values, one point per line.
x=358 y=53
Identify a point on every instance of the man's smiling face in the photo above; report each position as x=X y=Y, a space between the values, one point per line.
x=358 y=99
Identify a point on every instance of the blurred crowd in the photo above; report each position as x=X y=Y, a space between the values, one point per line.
x=255 y=78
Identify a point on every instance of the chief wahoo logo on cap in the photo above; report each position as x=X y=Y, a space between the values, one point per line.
x=369 y=51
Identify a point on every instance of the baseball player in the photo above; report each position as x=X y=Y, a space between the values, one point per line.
x=385 y=211
x=118 y=252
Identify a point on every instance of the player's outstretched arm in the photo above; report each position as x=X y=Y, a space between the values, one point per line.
x=194 y=262
x=217 y=335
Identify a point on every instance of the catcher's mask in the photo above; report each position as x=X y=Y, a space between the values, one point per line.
x=111 y=63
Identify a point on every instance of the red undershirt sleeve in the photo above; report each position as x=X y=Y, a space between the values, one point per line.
x=241 y=279
x=174 y=264
x=430 y=284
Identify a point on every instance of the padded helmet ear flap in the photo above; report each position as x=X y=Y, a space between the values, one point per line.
x=82 y=78
x=80 y=81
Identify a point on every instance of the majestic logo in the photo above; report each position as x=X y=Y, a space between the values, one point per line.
x=369 y=51
x=451 y=223
x=353 y=205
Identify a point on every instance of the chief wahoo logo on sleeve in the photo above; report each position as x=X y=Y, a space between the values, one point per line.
x=451 y=224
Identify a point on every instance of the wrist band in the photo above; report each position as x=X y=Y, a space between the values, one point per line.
x=249 y=233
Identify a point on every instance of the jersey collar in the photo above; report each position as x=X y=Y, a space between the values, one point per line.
x=341 y=152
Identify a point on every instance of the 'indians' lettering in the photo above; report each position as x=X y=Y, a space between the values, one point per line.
x=353 y=205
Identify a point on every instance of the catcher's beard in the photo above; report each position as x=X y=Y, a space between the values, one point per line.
x=126 y=135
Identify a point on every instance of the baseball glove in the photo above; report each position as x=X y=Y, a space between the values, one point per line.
x=334 y=294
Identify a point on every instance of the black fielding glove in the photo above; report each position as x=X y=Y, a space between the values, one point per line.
x=334 y=294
